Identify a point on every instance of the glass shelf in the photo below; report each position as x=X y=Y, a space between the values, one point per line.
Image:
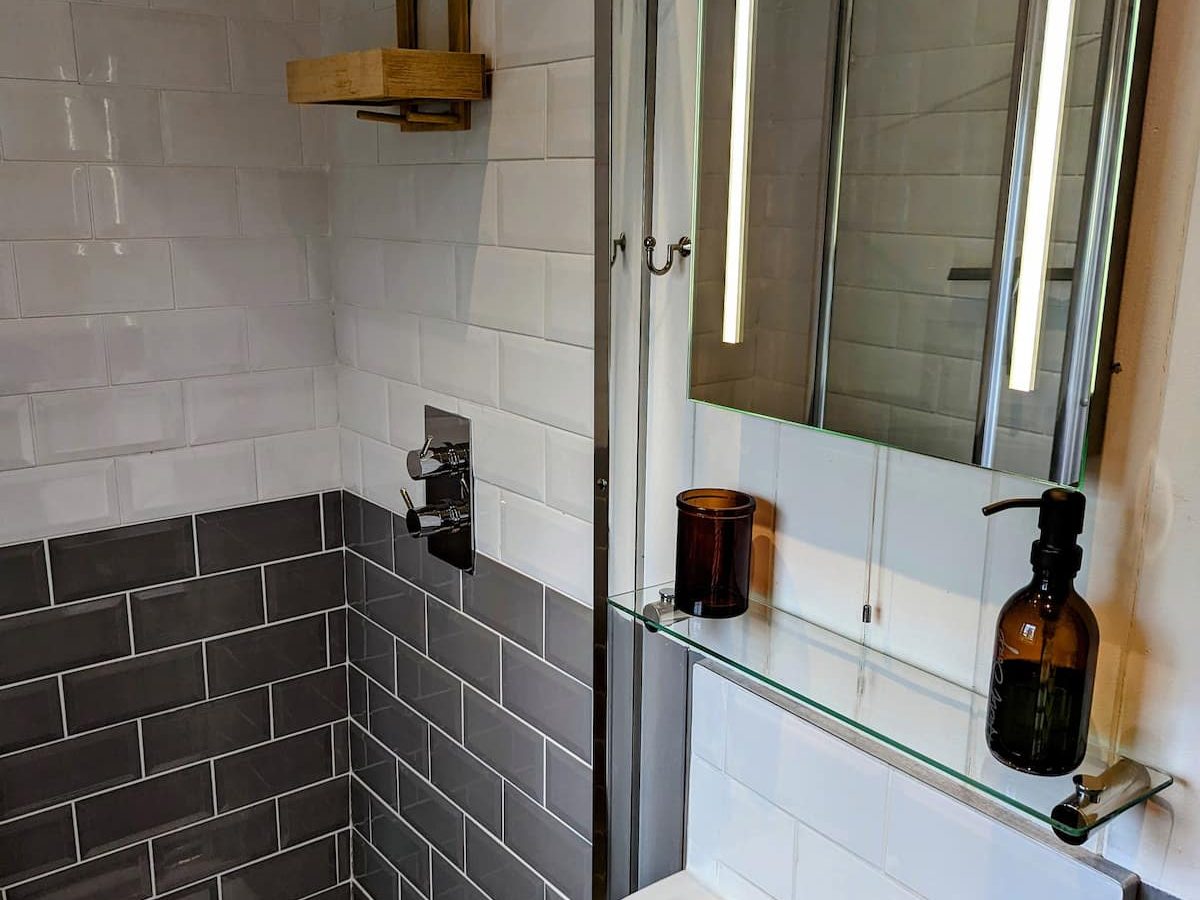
x=921 y=715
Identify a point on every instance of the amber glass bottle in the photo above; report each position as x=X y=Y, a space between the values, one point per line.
x=1045 y=655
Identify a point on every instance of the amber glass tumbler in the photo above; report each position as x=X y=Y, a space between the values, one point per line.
x=712 y=553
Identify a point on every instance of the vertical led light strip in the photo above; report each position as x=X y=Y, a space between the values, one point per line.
x=737 y=236
x=1043 y=176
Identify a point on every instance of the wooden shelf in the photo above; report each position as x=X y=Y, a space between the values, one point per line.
x=387 y=76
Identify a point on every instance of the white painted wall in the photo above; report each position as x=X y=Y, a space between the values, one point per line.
x=165 y=341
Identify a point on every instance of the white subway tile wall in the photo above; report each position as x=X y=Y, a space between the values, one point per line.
x=166 y=341
x=462 y=278
x=792 y=813
x=850 y=525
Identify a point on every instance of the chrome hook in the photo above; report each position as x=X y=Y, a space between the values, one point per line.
x=683 y=247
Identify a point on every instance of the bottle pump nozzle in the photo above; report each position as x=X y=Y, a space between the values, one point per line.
x=1061 y=523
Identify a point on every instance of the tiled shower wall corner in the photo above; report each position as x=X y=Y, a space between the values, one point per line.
x=462 y=272
x=173 y=709
x=163 y=264
x=470 y=734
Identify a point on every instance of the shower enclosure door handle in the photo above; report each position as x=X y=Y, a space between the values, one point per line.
x=683 y=247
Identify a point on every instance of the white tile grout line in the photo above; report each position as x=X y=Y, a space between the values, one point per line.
x=164 y=584
x=547 y=741
x=261 y=626
x=148 y=841
x=478 y=622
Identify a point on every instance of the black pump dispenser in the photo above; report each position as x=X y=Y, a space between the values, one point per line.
x=1045 y=652
x=1061 y=522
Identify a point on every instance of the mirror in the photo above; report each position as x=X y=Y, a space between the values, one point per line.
x=909 y=219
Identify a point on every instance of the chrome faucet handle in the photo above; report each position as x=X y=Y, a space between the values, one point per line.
x=407 y=499
x=445 y=459
x=445 y=516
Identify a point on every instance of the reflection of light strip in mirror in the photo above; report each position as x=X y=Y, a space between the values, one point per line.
x=739 y=171
x=1043 y=172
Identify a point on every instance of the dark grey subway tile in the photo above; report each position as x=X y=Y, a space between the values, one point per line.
x=30 y=714
x=139 y=686
x=249 y=535
x=371 y=648
x=356 y=689
x=204 y=891
x=273 y=768
x=345 y=870
x=400 y=845
x=55 y=640
x=119 y=876
x=430 y=689
x=266 y=654
x=465 y=647
x=356 y=585
x=360 y=806
x=36 y=845
x=341 y=747
x=557 y=852
x=569 y=789
x=321 y=809
x=310 y=700
x=335 y=621
x=433 y=816
x=144 y=809
x=368 y=529
x=35 y=779
x=196 y=609
x=23 y=575
x=291 y=875
x=393 y=604
x=371 y=870
x=506 y=600
x=569 y=635
x=338 y=891
x=373 y=765
x=331 y=509
x=105 y=562
x=451 y=884
x=306 y=585
x=399 y=729
x=497 y=870
x=546 y=698
x=467 y=781
x=415 y=563
x=207 y=729
x=509 y=746
x=214 y=846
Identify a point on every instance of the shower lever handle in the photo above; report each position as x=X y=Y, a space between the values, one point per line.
x=683 y=247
